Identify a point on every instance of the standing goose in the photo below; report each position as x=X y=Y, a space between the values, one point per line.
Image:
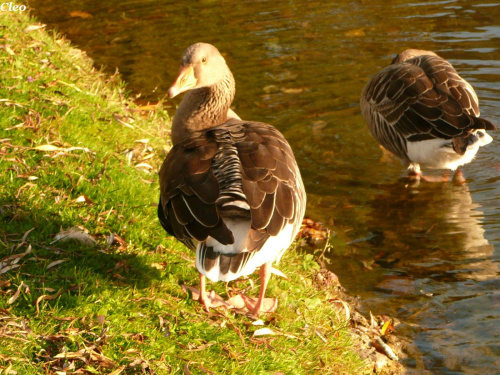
x=229 y=189
x=422 y=111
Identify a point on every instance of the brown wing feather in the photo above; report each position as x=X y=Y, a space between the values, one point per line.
x=189 y=191
x=272 y=193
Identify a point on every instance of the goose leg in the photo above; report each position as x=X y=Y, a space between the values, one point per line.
x=203 y=293
x=265 y=275
x=417 y=176
x=458 y=177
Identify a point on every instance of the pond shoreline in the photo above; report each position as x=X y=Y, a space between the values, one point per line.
x=66 y=128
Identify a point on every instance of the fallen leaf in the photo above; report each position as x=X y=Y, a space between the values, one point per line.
x=237 y=302
x=9 y=268
x=9 y=50
x=149 y=156
x=118 y=371
x=270 y=88
x=34 y=27
x=47 y=148
x=214 y=298
x=101 y=319
x=318 y=126
x=357 y=32
x=186 y=369
x=80 y=14
x=292 y=91
x=265 y=331
x=12 y=299
x=46 y=297
x=346 y=308
x=318 y=333
x=121 y=119
x=201 y=347
x=269 y=305
x=144 y=166
x=428 y=294
x=83 y=198
x=388 y=327
x=382 y=347
x=159 y=266
x=24 y=239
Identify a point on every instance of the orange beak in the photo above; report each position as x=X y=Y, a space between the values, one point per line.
x=184 y=81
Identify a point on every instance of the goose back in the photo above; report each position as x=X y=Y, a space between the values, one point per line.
x=421 y=97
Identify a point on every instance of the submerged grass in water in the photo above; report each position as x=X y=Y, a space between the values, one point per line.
x=76 y=152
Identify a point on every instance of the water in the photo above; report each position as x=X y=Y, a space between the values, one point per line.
x=427 y=254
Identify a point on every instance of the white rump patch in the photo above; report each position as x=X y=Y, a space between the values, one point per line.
x=434 y=153
x=272 y=250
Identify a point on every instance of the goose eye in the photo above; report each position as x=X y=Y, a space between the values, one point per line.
x=203 y=59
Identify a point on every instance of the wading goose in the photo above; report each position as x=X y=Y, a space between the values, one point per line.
x=229 y=189
x=422 y=111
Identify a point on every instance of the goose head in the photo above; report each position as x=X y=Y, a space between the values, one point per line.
x=202 y=65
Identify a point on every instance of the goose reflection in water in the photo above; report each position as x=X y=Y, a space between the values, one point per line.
x=433 y=231
x=429 y=248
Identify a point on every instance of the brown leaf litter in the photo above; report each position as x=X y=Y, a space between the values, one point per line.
x=376 y=343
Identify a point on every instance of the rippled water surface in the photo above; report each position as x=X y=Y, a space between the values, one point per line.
x=428 y=254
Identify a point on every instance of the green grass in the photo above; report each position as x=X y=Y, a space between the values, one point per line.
x=120 y=308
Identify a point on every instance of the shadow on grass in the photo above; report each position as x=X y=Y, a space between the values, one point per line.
x=70 y=268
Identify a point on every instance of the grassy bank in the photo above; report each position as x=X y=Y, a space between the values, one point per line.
x=75 y=152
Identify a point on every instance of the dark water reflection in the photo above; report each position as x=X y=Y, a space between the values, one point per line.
x=301 y=65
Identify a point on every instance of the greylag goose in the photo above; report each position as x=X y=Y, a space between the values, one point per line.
x=229 y=189
x=422 y=111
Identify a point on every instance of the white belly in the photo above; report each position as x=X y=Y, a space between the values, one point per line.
x=439 y=154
